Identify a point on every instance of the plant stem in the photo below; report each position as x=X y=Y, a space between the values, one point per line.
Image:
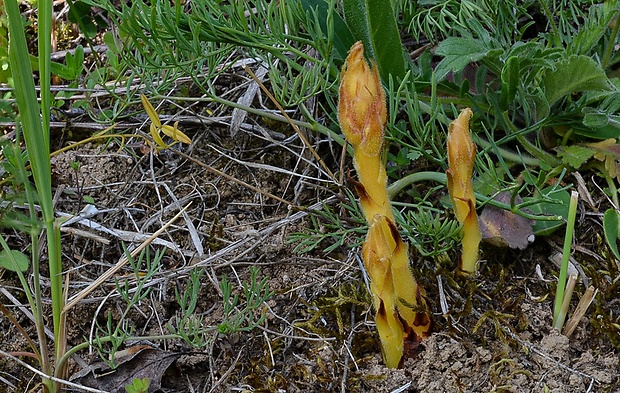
x=313 y=125
x=439 y=177
x=558 y=319
x=555 y=37
x=508 y=155
x=23 y=332
x=611 y=44
x=529 y=146
x=417 y=177
x=613 y=190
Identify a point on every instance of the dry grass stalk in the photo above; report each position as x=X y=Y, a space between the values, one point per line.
x=401 y=310
x=461 y=157
x=580 y=311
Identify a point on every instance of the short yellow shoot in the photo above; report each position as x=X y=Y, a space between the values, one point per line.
x=461 y=157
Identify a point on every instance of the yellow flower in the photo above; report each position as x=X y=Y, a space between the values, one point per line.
x=362 y=111
x=156 y=126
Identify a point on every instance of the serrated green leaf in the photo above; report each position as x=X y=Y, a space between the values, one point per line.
x=373 y=22
x=458 y=52
x=575 y=155
x=576 y=74
x=14 y=260
x=611 y=223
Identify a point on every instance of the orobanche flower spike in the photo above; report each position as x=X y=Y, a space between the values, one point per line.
x=461 y=157
x=402 y=315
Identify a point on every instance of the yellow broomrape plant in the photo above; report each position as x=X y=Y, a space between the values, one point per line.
x=402 y=316
x=156 y=126
x=461 y=157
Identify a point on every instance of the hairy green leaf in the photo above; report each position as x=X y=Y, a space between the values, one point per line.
x=557 y=206
x=600 y=125
x=576 y=74
x=373 y=22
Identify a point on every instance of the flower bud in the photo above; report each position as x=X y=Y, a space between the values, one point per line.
x=362 y=110
x=461 y=156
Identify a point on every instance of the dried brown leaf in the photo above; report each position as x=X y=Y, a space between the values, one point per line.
x=140 y=361
x=503 y=228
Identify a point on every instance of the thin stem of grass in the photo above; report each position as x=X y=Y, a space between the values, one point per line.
x=506 y=154
x=558 y=316
x=529 y=146
x=555 y=36
x=611 y=44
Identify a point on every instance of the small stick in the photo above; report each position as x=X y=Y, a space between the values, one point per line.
x=580 y=311
x=568 y=294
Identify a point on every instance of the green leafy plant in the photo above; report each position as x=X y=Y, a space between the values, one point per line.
x=328 y=229
x=138 y=386
x=243 y=318
x=189 y=326
x=132 y=290
x=432 y=234
x=241 y=313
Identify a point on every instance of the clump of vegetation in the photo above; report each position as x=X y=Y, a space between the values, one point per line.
x=540 y=78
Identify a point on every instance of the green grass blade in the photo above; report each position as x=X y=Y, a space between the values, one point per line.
x=558 y=315
x=45 y=65
x=611 y=226
x=342 y=37
x=36 y=136
x=23 y=82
